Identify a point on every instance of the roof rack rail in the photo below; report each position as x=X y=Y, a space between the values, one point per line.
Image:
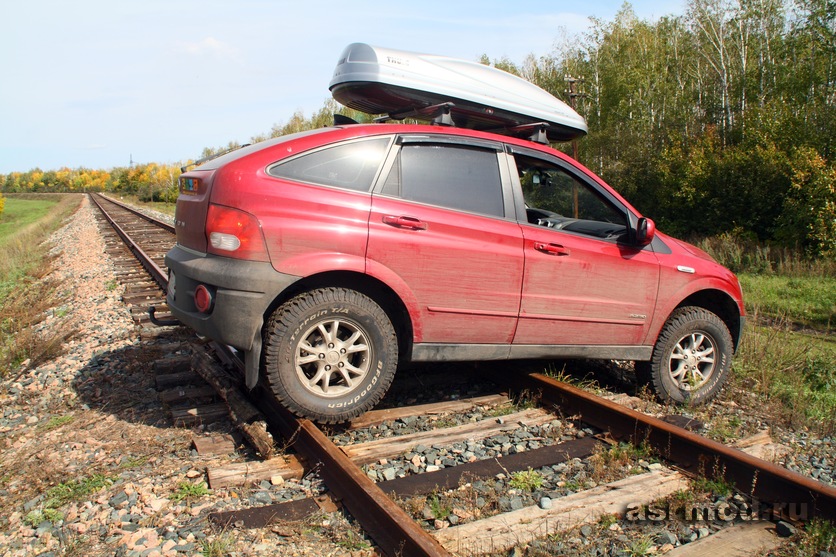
x=536 y=132
x=440 y=114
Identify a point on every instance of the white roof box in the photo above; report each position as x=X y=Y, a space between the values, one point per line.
x=448 y=90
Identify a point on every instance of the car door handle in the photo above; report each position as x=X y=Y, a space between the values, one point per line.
x=405 y=222
x=551 y=249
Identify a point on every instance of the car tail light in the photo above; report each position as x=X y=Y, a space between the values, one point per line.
x=203 y=299
x=234 y=233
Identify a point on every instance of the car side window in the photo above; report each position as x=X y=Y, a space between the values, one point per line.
x=348 y=165
x=452 y=176
x=557 y=199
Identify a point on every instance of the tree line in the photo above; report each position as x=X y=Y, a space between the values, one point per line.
x=149 y=182
x=718 y=121
x=721 y=120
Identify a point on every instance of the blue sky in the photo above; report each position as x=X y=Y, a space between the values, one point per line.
x=95 y=83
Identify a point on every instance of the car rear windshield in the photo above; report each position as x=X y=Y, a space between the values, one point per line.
x=244 y=151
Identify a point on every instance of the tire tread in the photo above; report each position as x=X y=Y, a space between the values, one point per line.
x=286 y=317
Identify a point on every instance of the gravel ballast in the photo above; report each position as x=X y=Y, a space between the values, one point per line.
x=91 y=462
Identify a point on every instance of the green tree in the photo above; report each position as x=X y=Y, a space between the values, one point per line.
x=809 y=215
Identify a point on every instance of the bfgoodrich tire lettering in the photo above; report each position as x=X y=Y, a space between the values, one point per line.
x=330 y=354
x=691 y=359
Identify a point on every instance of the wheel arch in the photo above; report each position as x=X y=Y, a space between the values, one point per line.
x=375 y=289
x=720 y=304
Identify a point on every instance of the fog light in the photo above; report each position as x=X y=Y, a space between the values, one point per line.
x=203 y=299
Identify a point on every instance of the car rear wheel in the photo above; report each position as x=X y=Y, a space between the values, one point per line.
x=691 y=358
x=330 y=354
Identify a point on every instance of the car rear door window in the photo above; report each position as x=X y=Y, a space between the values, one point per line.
x=352 y=165
x=456 y=177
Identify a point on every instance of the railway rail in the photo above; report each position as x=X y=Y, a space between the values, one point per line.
x=393 y=530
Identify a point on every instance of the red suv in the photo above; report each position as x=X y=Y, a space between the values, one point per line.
x=330 y=256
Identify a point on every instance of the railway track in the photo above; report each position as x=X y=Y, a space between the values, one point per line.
x=566 y=423
x=138 y=251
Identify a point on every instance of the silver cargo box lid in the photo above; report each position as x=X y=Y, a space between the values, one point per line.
x=404 y=84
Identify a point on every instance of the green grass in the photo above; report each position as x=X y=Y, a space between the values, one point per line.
x=795 y=372
x=34 y=518
x=817 y=538
x=189 y=490
x=75 y=490
x=20 y=213
x=809 y=301
x=352 y=541
x=134 y=462
x=217 y=547
x=779 y=282
x=607 y=520
x=56 y=422
x=440 y=510
x=715 y=486
x=787 y=355
x=526 y=480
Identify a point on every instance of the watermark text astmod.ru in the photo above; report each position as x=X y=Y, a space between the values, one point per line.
x=726 y=511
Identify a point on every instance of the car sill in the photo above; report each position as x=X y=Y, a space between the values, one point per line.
x=436 y=352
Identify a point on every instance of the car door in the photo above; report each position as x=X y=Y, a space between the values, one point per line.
x=584 y=283
x=440 y=224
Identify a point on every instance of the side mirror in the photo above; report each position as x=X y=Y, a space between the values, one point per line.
x=645 y=231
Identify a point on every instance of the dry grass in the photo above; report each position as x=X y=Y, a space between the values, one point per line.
x=27 y=296
x=25 y=344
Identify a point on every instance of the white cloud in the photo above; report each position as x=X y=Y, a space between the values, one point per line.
x=209 y=46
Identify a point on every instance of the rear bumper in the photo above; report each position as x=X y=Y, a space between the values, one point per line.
x=243 y=292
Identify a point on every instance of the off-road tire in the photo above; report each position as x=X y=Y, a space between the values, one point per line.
x=691 y=337
x=329 y=354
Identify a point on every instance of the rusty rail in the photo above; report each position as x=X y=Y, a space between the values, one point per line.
x=765 y=481
x=159 y=276
x=388 y=525
x=164 y=225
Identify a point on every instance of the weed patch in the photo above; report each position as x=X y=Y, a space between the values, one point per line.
x=56 y=421
x=607 y=463
x=34 y=518
x=219 y=546
x=715 y=486
x=439 y=509
x=527 y=480
x=75 y=490
x=817 y=538
x=189 y=491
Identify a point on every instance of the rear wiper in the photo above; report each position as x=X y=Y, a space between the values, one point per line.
x=211 y=157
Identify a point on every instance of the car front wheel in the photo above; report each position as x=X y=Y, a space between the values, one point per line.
x=691 y=358
x=330 y=354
